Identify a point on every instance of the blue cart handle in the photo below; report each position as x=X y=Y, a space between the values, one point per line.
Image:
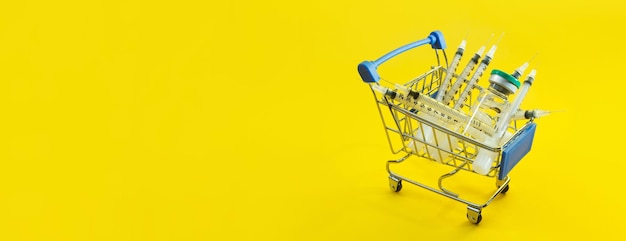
x=367 y=69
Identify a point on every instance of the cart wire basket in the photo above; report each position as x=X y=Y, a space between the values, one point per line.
x=407 y=130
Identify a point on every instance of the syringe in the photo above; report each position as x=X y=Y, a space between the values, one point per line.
x=485 y=158
x=428 y=105
x=462 y=78
x=451 y=70
x=433 y=111
x=530 y=114
x=475 y=77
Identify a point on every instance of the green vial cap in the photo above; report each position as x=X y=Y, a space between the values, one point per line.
x=506 y=76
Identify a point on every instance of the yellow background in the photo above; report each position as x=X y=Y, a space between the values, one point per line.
x=143 y=120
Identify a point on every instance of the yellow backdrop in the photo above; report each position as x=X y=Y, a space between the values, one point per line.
x=144 y=120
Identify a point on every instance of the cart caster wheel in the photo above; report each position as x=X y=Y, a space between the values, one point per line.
x=475 y=220
x=474 y=216
x=395 y=185
x=506 y=189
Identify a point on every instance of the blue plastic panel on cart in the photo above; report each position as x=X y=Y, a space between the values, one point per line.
x=516 y=150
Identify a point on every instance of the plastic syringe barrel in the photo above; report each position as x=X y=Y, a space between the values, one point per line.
x=523 y=114
x=435 y=108
x=475 y=77
x=451 y=70
x=459 y=81
x=460 y=116
x=504 y=120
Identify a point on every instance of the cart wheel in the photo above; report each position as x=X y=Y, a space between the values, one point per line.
x=506 y=189
x=475 y=220
x=395 y=185
x=473 y=215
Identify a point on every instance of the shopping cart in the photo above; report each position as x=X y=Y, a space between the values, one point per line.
x=404 y=129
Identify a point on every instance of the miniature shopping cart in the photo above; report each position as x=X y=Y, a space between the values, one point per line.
x=404 y=128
